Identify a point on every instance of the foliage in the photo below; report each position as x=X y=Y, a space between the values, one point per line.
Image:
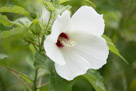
x=21 y=47
x=14 y=9
x=95 y=80
x=113 y=48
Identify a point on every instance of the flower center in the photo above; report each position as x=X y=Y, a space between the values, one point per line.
x=64 y=41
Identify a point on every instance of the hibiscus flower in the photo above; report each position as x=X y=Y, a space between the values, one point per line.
x=76 y=44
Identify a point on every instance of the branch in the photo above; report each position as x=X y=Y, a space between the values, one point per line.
x=43 y=85
x=19 y=73
x=20 y=80
x=31 y=41
x=35 y=79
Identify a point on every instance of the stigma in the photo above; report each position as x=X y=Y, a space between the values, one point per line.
x=65 y=41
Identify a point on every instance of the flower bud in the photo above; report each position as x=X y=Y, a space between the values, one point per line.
x=35 y=27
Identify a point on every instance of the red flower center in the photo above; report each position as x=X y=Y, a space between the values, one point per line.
x=62 y=36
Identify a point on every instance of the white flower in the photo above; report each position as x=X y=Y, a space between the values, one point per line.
x=75 y=44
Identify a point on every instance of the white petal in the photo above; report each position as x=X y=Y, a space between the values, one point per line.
x=60 y=25
x=93 y=48
x=86 y=19
x=53 y=52
x=90 y=52
x=75 y=65
x=45 y=14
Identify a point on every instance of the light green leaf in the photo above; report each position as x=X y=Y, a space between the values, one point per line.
x=25 y=78
x=63 y=1
x=50 y=6
x=12 y=32
x=95 y=79
x=41 y=61
x=113 y=48
x=4 y=20
x=14 y=9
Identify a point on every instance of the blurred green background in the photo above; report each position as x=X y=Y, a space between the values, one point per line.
x=120 y=21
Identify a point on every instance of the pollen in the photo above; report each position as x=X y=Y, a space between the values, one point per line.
x=65 y=41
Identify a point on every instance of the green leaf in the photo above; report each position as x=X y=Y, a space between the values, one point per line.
x=4 y=20
x=35 y=27
x=4 y=62
x=12 y=32
x=61 y=9
x=4 y=28
x=41 y=61
x=50 y=6
x=56 y=83
x=95 y=79
x=23 y=21
x=63 y=1
x=44 y=88
x=3 y=59
x=90 y=3
x=14 y=9
x=25 y=78
x=113 y=48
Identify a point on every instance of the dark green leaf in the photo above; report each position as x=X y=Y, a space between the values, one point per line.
x=14 y=9
x=44 y=88
x=4 y=20
x=56 y=83
x=4 y=62
x=41 y=61
x=95 y=79
x=113 y=48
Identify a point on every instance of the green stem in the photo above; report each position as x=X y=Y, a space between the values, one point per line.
x=21 y=80
x=32 y=42
x=35 y=47
x=39 y=42
x=43 y=85
x=42 y=38
x=49 y=21
x=40 y=81
x=35 y=79
x=19 y=73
